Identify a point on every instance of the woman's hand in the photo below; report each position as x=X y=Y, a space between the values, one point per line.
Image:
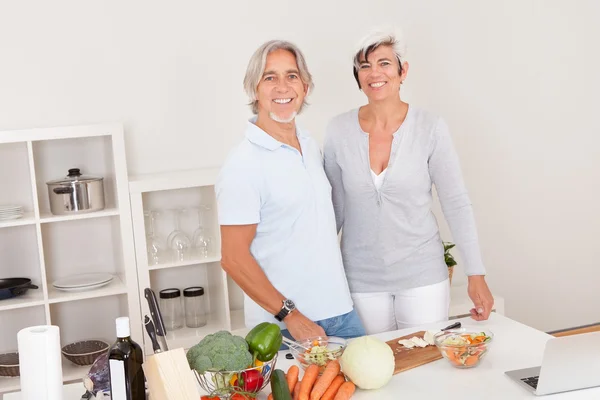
x=481 y=296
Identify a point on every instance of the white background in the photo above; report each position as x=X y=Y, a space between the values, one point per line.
x=517 y=81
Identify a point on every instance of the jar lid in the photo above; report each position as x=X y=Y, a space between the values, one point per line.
x=75 y=176
x=170 y=293
x=193 y=291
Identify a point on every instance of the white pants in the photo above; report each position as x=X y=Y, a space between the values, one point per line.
x=388 y=311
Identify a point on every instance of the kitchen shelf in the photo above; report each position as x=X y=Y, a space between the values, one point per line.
x=9 y=384
x=237 y=321
x=43 y=247
x=184 y=190
x=48 y=217
x=116 y=287
x=27 y=219
x=32 y=298
x=71 y=373
x=185 y=263
x=187 y=337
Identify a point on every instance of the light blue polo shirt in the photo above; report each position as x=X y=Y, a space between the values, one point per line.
x=287 y=194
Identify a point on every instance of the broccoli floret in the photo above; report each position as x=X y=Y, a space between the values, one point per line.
x=220 y=351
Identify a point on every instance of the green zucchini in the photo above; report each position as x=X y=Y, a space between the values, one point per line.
x=279 y=386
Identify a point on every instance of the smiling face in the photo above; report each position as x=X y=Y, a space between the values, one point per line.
x=379 y=75
x=281 y=92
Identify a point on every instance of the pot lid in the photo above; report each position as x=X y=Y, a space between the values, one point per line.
x=75 y=176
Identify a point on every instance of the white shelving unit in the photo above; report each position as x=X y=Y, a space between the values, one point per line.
x=45 y=247
x=185 y=189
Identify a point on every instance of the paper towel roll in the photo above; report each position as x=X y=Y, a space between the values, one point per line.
x=40 y=363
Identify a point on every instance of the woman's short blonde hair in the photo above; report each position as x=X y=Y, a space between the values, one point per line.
x=380 y=37
x=256 y=69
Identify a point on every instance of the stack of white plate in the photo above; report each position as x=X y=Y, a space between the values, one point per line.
x=10 y=212
x=82 y=282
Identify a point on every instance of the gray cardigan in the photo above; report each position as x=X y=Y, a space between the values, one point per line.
x=390 y=237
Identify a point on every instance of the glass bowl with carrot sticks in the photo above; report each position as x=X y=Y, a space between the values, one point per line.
x=318 y=350
x=464 y=348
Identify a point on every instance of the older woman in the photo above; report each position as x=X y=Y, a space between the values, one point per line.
x=382 y=160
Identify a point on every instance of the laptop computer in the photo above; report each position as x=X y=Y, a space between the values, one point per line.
x=569 y=363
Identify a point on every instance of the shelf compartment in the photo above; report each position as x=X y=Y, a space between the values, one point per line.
x=49 y=217
x=187 y=337
x=32 y=298
x=15 y=180
x=186 y=263
x=97 y=248
x=188 y=199
x=93 y=155
x=20 y=256
x=97 y=319
x=212 y=278
x=27 y=219
x=12 y=321
x=115 y=287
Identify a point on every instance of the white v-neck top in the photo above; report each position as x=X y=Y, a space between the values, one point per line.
x=378 y=179
x=390 y=237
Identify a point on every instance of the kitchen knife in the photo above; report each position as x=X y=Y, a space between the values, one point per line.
x=455 y=325
x=152 y=333
x=159 y=325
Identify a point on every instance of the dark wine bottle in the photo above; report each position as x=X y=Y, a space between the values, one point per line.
x=125 y=360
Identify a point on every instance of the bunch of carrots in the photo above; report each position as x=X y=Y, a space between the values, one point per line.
x=331 y=385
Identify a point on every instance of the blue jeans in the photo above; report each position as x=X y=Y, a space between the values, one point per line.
x=346 y=326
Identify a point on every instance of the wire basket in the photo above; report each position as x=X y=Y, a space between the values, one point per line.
x=221 y=383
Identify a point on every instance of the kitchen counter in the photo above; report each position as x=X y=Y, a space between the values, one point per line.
x=515 y=346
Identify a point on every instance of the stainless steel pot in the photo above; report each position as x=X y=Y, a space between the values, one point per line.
x=76 y=193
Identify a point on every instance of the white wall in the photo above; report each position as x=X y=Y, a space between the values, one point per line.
x=516 y=80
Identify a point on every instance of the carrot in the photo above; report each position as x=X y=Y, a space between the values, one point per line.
x=310 y=376
x=333 y=388
x=270 y=396
x=297 y=390
x=345 y=392
x=292 y=377
x=329 y=374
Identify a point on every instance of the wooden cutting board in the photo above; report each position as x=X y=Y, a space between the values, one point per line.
x=410 y=358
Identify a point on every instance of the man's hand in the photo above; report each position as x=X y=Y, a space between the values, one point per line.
x=481 y=296
x=301 y=327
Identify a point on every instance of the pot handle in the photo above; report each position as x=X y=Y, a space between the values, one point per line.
x=22 y=289
x=63 y=190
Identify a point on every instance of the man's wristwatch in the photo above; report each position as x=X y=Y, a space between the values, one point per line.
x=288 y=307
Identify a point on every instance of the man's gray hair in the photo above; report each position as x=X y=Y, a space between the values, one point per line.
x=256 y=69
x=380 y=37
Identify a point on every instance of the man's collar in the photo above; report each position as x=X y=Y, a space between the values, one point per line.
x=261 y=138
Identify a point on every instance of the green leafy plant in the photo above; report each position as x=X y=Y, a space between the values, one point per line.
x=449 y=258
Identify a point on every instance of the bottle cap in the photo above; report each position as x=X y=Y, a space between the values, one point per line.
x=193 y=291
x=123 y=327
x=170 y=293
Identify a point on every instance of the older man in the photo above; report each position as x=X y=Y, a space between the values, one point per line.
x=278 y=232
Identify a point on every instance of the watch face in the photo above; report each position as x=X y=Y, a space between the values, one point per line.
x=289 y=305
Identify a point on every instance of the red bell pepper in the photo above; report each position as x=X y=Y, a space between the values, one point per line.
x=250 y=381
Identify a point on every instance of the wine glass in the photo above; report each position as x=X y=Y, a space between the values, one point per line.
x=178 y=241
x=153 y=244
x=201 y=240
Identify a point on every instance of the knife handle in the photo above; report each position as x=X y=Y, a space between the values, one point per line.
x=152 y=333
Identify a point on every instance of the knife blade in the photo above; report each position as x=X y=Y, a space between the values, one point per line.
x=159 y=325
x=152 y=333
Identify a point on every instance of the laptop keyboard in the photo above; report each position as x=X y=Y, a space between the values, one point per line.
x=531 y=381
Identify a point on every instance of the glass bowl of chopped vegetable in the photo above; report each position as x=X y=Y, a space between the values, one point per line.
x=464 y=348
x=318 y=350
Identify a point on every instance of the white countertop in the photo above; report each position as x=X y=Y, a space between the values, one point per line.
x=515 y=346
